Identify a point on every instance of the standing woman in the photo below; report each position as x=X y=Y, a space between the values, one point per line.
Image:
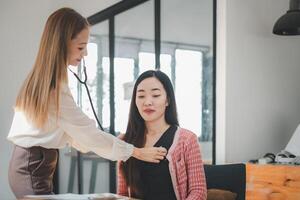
x=153 y=122
x=47 y=118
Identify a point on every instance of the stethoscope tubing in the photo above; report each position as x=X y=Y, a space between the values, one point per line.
x=84 y=82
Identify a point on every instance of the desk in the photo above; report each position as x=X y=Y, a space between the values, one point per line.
x=70 y=196
x=274 y=182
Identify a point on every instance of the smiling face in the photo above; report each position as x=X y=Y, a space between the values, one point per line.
x=78 y=47
x=151 y=100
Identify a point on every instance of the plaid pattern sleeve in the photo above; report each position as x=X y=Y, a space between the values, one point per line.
x=121 y=185
x=195 y=171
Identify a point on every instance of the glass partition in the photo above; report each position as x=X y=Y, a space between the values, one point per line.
x=186 y=57
x=134 y=53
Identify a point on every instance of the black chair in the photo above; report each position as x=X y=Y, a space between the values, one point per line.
x=230 y=177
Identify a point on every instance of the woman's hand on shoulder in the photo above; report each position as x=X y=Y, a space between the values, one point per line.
x=150 y=154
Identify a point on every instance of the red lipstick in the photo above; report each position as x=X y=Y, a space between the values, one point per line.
x=149 y=111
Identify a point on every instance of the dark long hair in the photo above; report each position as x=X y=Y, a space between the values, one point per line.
x=135 y=133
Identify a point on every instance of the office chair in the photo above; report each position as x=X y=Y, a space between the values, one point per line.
x=230 y=177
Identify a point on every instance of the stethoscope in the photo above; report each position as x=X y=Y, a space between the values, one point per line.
x=83 y=81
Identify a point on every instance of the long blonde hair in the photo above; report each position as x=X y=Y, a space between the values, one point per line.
x=50 y=67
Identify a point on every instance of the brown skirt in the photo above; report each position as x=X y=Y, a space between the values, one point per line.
x=31 y=170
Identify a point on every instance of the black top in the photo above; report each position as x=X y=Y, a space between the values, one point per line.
x=156 y=179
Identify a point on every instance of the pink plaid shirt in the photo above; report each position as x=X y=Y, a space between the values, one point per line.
x=186 y=168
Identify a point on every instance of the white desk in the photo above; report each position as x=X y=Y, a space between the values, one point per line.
x=71 y=196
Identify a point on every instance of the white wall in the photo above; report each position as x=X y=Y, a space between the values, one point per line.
x=262 y=99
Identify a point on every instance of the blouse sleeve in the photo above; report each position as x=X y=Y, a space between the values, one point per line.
x=195 y=171
x=85 y=135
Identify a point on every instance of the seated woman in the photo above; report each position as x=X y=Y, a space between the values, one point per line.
x=153 y=122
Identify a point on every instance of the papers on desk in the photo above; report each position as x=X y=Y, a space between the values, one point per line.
x=70 y=196
x=294 y=144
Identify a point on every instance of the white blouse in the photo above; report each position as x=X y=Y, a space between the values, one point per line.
x=71 y=128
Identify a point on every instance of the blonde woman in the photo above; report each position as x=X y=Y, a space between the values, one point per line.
x=47 y=118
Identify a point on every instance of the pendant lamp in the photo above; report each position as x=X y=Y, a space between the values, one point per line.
x=289 y=23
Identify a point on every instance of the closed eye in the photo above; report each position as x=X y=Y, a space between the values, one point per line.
x=140 y=97
x=158 y=95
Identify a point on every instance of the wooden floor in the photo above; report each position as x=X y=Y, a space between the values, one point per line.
x=272 y=182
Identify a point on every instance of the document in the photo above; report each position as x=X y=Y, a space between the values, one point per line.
x=71 y=196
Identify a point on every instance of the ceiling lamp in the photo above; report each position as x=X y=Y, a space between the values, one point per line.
x=289 y=23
